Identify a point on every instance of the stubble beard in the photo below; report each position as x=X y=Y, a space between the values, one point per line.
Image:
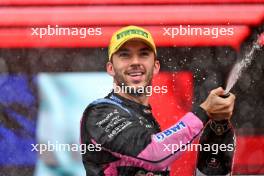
x=134 y=90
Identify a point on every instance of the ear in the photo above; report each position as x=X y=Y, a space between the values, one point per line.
x=156 y=67
x=110 y=68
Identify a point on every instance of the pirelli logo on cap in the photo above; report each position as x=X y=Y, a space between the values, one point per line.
x=131 y=32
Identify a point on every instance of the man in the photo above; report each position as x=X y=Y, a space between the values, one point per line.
x=122 y=123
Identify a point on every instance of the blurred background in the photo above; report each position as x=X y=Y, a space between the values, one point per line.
x=46 y=83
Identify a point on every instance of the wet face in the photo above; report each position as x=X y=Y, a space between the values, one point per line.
x=134 y=65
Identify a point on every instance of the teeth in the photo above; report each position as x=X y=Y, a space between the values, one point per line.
x=136 y=74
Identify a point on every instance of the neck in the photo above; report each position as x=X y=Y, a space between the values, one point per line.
x=139 y=99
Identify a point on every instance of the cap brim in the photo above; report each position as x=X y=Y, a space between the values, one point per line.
x=134 y=38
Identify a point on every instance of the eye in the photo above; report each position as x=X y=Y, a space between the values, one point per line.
x=123 y=54
x=145 y=53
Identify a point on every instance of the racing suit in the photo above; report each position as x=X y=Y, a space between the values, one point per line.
x=131 y=140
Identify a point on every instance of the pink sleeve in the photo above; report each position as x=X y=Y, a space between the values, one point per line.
x=165 y=146
x=163 y=150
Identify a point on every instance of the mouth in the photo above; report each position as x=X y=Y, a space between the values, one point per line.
x=133 y=74
x=136 y=76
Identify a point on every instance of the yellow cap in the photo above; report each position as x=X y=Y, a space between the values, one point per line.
x=127 y=33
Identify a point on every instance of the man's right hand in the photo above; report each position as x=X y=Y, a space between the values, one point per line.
x=218 y=108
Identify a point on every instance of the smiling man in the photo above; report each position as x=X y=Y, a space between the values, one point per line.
x=132 y=143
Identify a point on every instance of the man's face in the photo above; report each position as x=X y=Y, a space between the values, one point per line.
x=133 y=65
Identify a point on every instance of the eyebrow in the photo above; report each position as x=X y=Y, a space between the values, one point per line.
x=145 y=49
x=123 y=49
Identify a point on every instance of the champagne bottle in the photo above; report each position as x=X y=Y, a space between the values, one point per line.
x=218 y=146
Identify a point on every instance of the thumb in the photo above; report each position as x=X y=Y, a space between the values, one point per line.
x=218 y=91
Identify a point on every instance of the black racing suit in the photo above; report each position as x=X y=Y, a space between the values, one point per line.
x=131 y=142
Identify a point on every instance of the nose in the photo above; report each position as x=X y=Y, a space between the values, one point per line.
x=135 y=60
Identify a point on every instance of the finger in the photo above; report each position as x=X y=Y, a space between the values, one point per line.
x=226 y=107
x=218 y=91
x=228 y=96
x=231 y=97
x=224 y=102
x=218 y=102
x=225 y=110
x=227 y=104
